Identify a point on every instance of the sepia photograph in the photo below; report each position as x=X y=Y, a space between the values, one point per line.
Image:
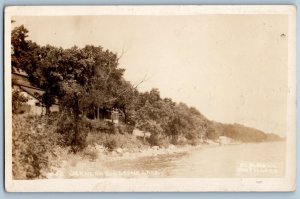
x=150 y=98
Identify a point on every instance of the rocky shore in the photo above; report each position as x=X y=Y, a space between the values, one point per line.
x=98 y=158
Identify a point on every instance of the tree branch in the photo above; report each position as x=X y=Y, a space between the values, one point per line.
x=122 y=53
x=108 y=75
x=127 y=90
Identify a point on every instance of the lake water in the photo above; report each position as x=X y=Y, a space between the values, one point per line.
x=228 y=161
x=245 y=160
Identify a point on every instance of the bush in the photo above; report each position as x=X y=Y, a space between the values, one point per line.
x=67 y=128
x=111 y=143
x=33 y=143
x=19 y=105
x=191 y=135
x=179 y=140
x=101 y=126
x=153 y=140
x=123 y=129
x=193 y=142
x=157 y=140
x=114 y=141
x=90 y=153
x=192 y=138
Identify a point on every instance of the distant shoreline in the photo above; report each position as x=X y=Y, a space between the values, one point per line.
x=172 y=149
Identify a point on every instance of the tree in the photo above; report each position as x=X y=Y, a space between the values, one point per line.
x=20 y=48
x=79 y=78
x=91 y=80
x=19 y=60
x=38 y=62
x=125 y=101
x=152 y=114
x=46 y=72
x=100 y=78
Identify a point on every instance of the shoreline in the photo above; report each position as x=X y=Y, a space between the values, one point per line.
x=99 y=152
x=146 y=162
x=100 y=163
x=124 y=153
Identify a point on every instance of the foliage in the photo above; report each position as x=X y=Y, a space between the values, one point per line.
x=158 y=140
x=114 y=141
x=73 y=133
x=90 y=72
x=214 y=130
x=246 y=134
x=18 y=99
x=101 y=126
x=79 y=78
x=90 y=153
x=33 y=144
x=89 y=79
x=20 y=48
x=239 y=132
x=164 y=118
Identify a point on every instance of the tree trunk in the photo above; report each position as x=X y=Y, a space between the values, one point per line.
x=76 y=140
x=125 y=115
x=83 y=113
x=47 y=110
x=98 y=113
x=42 y=113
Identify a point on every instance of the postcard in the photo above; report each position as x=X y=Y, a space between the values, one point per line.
x=150 y=98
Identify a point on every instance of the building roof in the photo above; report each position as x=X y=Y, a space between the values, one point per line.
x=36 y=93
x=21 y=79
x=17 y=71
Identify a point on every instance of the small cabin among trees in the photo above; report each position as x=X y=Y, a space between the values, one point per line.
x=34 y=104
x=33 y=95
x=112 y=115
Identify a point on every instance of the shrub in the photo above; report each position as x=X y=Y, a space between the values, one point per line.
x=101 y=126
x=32 y=146
x=111 y=142
x=192 y=138
x=73 y=134
x=19 y=101
x=193 y=142
x=180 y=140
x=191 y=135
x=158 y=140
x=90 y=153
x=114 y=141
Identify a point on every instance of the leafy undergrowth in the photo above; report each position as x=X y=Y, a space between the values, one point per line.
x=33 y=144
x=41 y=144
x=114 y=141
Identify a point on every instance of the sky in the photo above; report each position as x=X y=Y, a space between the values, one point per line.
x=232 y=68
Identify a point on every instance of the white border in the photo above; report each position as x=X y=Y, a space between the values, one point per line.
x=155 y=184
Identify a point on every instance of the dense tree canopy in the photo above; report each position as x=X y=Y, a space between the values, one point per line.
x=89 y=79
x=91 y=72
